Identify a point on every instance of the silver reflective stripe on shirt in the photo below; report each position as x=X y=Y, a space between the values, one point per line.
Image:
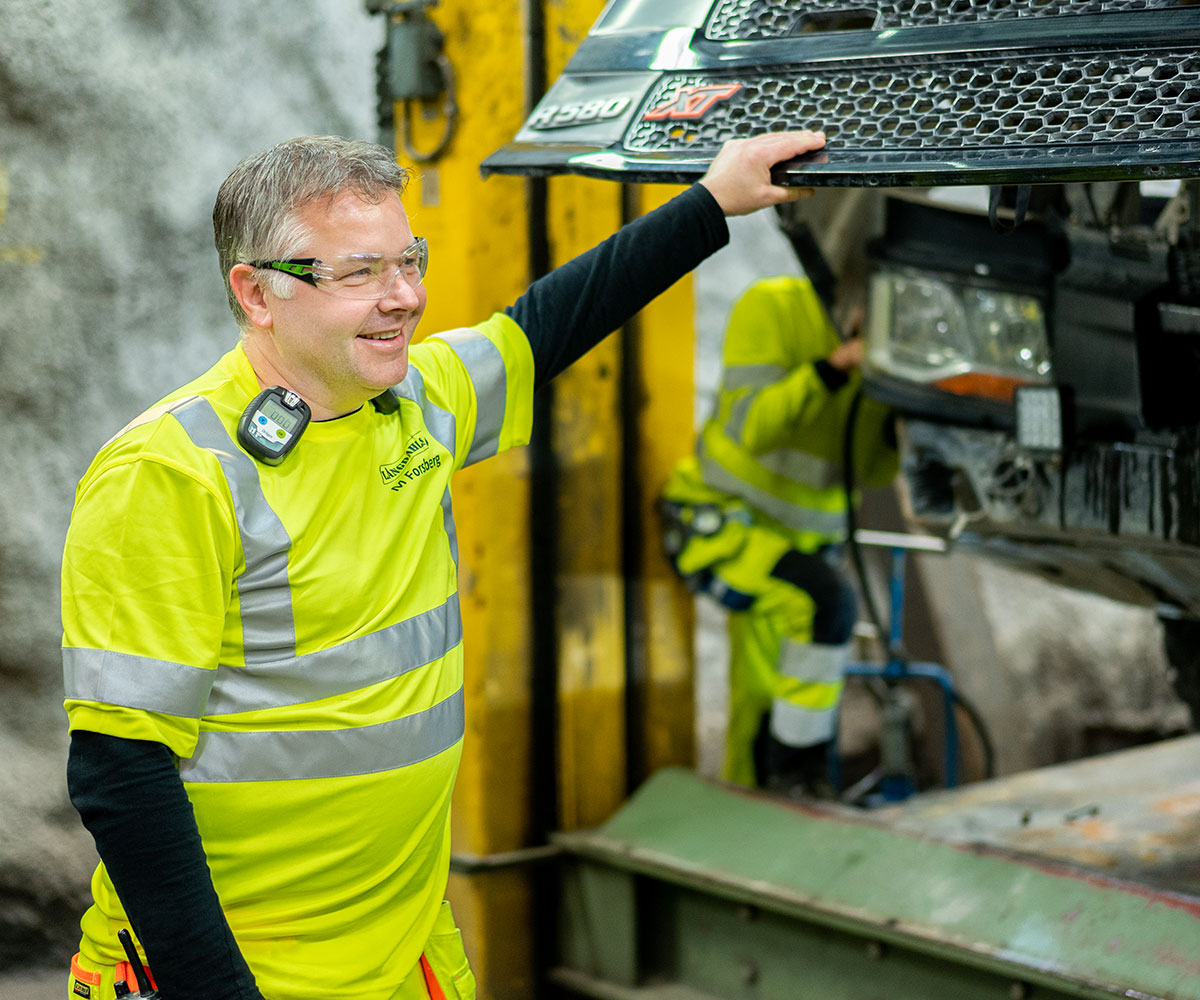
x=440 y=423
x=801 y=727
x=740 y=376
x=448 y=525
x=326 y=753
x=809 y=715
x=136 y=681
x=485 y=366
x=349 y=666
x=795 y=465
x=735 y=426
x=829 y=524
x=268 y=628
x=801 y=467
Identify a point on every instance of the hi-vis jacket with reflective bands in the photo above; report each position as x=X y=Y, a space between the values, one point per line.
x=776 y=438
x=293 y=634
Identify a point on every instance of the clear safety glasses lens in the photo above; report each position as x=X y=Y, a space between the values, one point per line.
x=369 y=275
x=362 y=275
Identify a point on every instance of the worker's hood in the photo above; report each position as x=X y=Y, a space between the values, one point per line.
x=908 y=93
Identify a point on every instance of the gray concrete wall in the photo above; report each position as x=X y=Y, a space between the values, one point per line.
x=118 y=120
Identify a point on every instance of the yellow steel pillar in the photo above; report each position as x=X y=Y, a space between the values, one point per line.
x=586 y=439
x=662 y=390
x=479 y=262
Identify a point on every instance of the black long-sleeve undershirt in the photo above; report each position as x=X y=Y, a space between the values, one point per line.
x=129 y=792
x=570 y=310
x=131 y=799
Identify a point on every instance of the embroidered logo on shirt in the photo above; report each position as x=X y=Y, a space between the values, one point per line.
x=397 y=475
x=82 y=989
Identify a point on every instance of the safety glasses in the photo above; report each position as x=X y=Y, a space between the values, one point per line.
x=357 y=275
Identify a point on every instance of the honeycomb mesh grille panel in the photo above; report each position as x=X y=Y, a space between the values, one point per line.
x=922 y=105
x=746 y=20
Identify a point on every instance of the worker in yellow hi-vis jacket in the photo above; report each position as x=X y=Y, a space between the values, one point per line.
x=757 y=517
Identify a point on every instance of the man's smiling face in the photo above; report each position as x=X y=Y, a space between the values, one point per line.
x=336 y=352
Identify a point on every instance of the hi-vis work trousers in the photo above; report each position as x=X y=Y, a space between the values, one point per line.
x=792 y=617
x=788 y=647
x=443 y=972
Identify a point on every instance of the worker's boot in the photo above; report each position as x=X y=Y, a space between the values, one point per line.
x=797 y=772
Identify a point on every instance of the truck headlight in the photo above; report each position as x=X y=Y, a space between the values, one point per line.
x=964 y=338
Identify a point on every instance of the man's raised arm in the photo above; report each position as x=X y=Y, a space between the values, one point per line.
x=567 y=312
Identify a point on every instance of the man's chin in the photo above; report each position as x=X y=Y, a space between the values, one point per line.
x=383 y=364
x=393 y=374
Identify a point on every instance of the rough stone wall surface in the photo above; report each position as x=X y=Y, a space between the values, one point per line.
x=118 y=120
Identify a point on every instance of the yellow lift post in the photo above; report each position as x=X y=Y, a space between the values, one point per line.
x=620 y=632
x=589 y=592
x=480 y=263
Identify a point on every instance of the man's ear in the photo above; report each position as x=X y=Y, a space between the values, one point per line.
x=250 y=295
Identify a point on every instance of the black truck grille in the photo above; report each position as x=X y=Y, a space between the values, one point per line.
x=747 y=20
x=917 y=104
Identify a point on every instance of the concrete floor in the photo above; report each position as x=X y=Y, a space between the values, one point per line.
x=37 y=984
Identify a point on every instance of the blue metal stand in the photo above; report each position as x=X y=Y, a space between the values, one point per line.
x=893 y=781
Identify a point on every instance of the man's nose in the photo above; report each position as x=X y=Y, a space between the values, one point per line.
x=399 y=294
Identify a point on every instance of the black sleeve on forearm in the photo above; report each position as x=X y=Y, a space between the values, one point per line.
x=131 y=799
x=570 y=310
x=834 y=378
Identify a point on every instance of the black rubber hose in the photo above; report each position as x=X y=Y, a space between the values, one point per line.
x=856 y=558
x=895 y=652
x=981 y=731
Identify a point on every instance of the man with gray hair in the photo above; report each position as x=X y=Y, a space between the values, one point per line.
x=262 y=642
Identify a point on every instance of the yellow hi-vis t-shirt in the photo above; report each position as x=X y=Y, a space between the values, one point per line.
x=293 y=634
x=776 y=438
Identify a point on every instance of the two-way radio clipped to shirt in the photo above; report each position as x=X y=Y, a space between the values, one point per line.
x=122 y=988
